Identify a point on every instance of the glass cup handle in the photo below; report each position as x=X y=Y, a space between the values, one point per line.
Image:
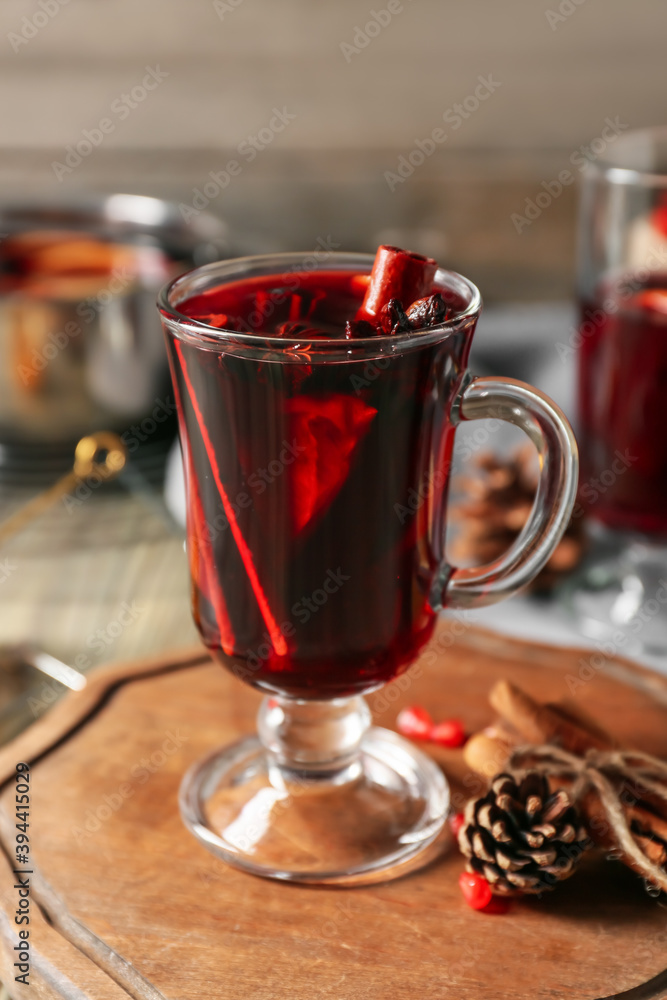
x=548 y=429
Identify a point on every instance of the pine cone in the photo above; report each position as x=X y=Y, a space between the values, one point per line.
x=520 y=837
x=497 y=502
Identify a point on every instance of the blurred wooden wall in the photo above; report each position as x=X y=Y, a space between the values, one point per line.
x=356 y=108
x=561 y=74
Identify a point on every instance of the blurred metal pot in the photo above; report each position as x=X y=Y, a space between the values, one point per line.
x=83 y=351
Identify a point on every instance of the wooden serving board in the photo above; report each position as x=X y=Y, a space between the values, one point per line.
x=126 y=903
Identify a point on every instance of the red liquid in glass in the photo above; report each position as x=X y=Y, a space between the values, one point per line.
x=623 y=406
x=313 y=490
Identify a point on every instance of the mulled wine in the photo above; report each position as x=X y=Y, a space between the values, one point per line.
x=316 y=488
x=623 y=404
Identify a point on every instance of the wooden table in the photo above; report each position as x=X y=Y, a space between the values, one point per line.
x=126 y=902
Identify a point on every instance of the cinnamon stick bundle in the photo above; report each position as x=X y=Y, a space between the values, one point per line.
x=538 y=723
x=625 y=805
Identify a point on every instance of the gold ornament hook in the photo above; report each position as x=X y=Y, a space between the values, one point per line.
x=102 y=453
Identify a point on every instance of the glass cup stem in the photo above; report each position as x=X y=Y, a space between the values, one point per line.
x=314 y=739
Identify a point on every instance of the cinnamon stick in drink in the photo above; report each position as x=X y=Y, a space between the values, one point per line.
x=397 y=274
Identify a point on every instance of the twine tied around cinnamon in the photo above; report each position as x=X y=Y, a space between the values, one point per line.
x=612 y=787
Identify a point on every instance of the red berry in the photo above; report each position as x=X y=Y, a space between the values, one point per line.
x=449 y=733
x=476 y=890
x=415 y=722
x=456 y=822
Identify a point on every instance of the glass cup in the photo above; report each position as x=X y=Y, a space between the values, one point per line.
x=621 y=590
x=316 y=476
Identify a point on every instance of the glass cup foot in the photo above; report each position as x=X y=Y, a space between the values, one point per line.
x=379 y=815
x=621 y=591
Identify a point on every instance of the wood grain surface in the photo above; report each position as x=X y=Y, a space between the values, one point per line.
x=126 y=902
